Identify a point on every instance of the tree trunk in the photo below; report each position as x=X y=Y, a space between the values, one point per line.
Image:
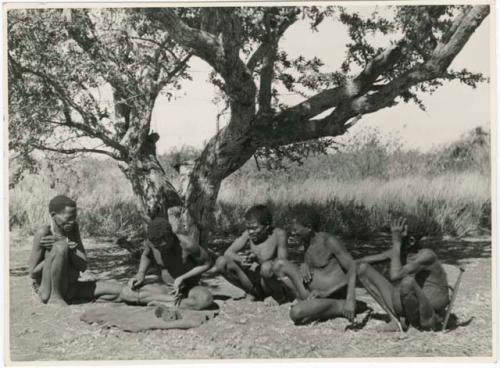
x=149 y=183
x=224 y=154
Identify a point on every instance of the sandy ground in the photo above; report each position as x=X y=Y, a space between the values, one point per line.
x=244 y=329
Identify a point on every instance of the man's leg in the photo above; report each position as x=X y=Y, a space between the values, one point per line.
x=233 y=273
x=384 y=293
x=307 y=311
x=54 y=283
x=378 y=287
x=418 y=309
x=290 y=275
x=97 y=290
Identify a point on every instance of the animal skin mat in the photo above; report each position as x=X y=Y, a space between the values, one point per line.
x=135 y=319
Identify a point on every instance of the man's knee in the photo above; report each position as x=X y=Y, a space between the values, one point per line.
x=221 y=264
x=266 y=270
x=297 y=313
x=59 y=248
x=362 y=268
x=406 y=285
x=278 y=266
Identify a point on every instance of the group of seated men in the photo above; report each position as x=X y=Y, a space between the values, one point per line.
x=324 y=285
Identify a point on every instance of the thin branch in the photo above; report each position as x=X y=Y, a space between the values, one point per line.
x=72 y=151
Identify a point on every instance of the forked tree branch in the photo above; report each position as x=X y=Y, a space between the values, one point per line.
x=296 y=124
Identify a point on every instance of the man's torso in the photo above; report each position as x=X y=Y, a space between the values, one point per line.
x=328 y=275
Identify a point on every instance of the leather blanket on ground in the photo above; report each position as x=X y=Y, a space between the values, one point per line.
x=135 y=319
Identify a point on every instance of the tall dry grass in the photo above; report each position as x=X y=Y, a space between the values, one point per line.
x=456 y=203
x=446 y=191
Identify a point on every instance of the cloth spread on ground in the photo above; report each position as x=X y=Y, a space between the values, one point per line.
x=135 y=319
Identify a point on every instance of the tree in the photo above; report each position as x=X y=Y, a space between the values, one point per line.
x=242 y=45
x=62 y=61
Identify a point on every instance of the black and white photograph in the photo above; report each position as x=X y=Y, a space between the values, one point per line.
x=241 y=181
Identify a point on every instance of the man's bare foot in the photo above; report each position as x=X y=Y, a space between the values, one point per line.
x=249 y=297
x=392 y=326
x=57 y=301
x=270 y=302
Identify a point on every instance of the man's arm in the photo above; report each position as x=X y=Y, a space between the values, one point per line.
x=282 y=249
x=237 y=246
x=35 y=263
x=424 y=258
x=78 y=256
x=199 y=254
x=347 y=262
x=399 y=230
x=384 y=256
x=144 y=262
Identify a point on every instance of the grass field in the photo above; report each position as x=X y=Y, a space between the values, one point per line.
x=446 y=191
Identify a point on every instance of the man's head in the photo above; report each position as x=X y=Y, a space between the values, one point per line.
x=414 y=230
x=160 y=232
x=305 y=222
x=411 y=242
x=258 y=221
x=63 y=212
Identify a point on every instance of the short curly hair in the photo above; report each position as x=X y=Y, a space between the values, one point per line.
x=306 y=215
x=159 y=228
x=261 y=213
x=59 y=203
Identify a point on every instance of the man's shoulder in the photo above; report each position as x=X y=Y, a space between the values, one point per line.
x=427 y=253
x=323 y=235
x=278 y=231
x=187 y=243
x=43 y=230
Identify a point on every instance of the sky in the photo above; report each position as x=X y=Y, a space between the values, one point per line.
x=451 y=111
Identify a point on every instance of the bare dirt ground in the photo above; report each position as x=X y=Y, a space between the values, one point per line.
x=244 y=329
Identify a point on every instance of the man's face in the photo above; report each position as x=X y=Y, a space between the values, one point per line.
x=299 y=231
x=65 y=219
x=257 y=231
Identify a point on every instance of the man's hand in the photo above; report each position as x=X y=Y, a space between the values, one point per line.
x=313 y=295
x=399 y=230
x=349 y=311
x=47 y=242
x=72 y=245
x=136 y=282
x=306 y=273
x=178 y=283
x=248 y=258
x=254 y=266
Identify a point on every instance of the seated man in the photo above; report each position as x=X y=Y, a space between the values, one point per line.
x=325 y=282
x=418 y=295
x=182 y=262
x=58 y=257
x=266 y=244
